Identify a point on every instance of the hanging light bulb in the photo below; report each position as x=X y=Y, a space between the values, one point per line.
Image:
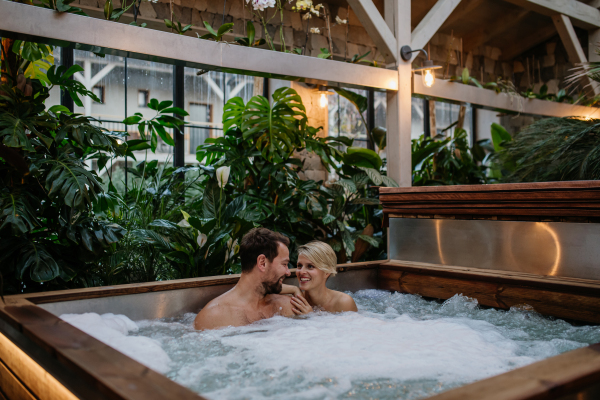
x=427 y=74
x=428 y=77
x=323 y=98
x=323 y=101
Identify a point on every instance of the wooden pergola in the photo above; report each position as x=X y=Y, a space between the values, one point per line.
x=515 y=25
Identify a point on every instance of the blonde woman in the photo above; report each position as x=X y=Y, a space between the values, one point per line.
x=317 y=262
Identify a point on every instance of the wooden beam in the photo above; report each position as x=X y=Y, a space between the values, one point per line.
x=569 y=39
x=92 y=34
x=399 y=105
x=582 y=14
x=432 y=22
x=573 y=46
x=487 y=32
x=376 y=27
x=517 y=48
x=489 y=99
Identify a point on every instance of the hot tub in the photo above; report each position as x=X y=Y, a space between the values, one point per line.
x=504 y=245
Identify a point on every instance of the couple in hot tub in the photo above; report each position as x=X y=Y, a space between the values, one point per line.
x=260 y=292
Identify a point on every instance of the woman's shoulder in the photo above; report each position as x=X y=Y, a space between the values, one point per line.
x=343 y=302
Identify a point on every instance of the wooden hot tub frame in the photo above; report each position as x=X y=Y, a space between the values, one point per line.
x=43 y=357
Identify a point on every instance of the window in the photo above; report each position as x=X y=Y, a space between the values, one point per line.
x=143 y=98
x=200 y=118
x=99 y=92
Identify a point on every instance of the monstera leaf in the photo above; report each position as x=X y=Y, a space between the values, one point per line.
x=17 y=213
x=69 y=180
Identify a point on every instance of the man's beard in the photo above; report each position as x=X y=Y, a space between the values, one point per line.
x=273 y=287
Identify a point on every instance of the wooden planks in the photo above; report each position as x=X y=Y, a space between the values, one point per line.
x=569 y=298
x=110 y=372
x=11 y=386
x=548 y=199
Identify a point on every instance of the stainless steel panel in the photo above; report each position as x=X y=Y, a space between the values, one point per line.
x=93 y=34
x=151 y=305
x=544 y=248
x=175 y=302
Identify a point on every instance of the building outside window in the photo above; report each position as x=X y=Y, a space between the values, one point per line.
x=200 y=118
x=98 y=90
x=143 y=98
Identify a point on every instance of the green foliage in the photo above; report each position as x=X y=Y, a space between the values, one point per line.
x=267 y=177
x=175 y=25
x=249 y=41
x=448 y=160
x=150 y=130
x=47 y=227
x=553 y=149
x=218 y=35
x=325 y=53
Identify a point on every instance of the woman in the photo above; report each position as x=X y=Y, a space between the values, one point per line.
x=316 y=262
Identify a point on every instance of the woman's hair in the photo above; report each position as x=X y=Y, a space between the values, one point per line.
x=321 y=255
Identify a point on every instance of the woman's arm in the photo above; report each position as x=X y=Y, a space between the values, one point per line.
x=291 y=289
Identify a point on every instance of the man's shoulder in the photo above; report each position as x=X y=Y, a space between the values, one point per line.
x=217 y=313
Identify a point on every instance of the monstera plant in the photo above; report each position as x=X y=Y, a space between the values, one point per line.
x=47 y=192
x=260 y=146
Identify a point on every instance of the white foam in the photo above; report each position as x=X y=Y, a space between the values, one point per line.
x=397 y=346
x=113 y=329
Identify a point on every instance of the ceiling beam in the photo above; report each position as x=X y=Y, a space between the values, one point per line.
x=539 y=36
x=582 y=15
x=432 y=22
x=573 y=46
x=376 y=27
x=487 y=32
x=22 y=21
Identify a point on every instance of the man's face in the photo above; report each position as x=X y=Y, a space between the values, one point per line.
x=277 y=270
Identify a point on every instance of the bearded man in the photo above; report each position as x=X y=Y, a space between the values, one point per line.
x=265 y=257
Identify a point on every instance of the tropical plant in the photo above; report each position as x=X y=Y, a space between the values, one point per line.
x=449 y=160
x=47 y=227
x=553 y=149
x=175 y=25
x=259 y=145
x=217 y=35
x=249 y=41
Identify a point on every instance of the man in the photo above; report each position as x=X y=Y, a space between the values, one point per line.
x=265 y=257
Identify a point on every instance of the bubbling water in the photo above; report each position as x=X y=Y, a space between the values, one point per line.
x=396 y=346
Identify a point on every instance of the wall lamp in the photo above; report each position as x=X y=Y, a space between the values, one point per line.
x=322 y=90
x=426 y=70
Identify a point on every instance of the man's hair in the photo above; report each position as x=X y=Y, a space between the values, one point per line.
x=260 y=241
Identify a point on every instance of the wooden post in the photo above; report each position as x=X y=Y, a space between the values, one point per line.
x=399 y=104
x=593 y=45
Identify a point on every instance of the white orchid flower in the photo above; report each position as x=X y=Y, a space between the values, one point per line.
x=223 y=176
x=261 y=4
x=201 y=239
x=315 y=30
x=340 y=21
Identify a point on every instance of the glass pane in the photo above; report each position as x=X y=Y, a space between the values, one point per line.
x=148 y=80
x=205 y=95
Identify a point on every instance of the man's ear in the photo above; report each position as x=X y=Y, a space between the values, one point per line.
x=261 y=263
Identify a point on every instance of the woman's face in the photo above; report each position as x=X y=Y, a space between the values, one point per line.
x=309 y=276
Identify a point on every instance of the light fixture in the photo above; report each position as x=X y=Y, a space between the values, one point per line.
x=322 y=90
x=426 y=70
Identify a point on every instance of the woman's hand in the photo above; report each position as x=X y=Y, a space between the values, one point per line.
x=291 y=289
x=300 y=305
